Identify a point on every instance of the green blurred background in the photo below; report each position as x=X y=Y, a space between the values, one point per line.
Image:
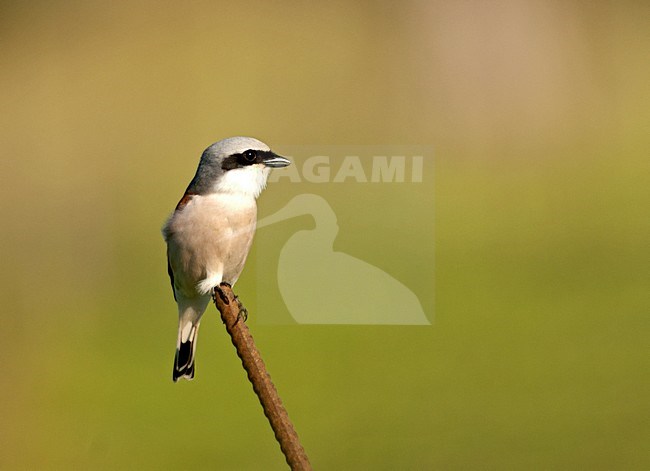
x=539 y=116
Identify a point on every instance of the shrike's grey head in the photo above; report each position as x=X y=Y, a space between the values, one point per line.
x=235 y=165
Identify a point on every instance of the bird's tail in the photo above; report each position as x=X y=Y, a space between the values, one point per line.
x=185 y=348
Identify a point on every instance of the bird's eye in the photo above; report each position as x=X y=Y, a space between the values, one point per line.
x=250 y=156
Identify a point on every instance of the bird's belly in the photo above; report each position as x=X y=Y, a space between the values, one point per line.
x=208 y=239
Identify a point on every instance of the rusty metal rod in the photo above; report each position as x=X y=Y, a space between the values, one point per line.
x=231 y=314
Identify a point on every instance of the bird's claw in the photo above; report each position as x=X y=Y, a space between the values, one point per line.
x=218 y=291
x=243 y=312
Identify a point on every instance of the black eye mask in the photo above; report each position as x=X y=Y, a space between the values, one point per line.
x=244 y=159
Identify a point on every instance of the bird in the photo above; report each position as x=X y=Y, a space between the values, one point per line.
x=210 y=232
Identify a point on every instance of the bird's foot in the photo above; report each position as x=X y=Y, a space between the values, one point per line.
x=217 y=291
x=243 y=312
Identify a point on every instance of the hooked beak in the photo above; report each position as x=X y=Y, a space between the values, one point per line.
x=275 y=161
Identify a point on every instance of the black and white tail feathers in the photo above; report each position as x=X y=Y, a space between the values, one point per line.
x=184 y=359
